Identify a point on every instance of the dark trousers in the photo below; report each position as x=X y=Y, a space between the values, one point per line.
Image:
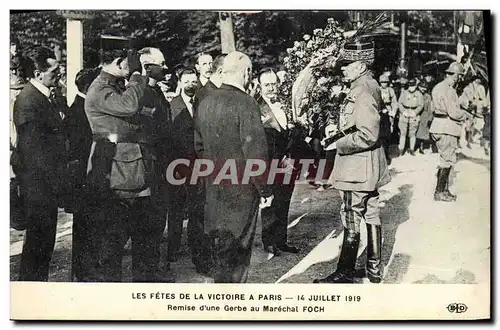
x=192 y=198
x=85 y=244
x=39 y=242
x=275 y=217
x=330 y=162
x=139 y=219
x=230 y=255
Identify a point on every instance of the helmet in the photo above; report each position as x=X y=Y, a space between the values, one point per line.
x=455 y=67
x=384 y=78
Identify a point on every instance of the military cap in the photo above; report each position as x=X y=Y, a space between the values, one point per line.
x=412 y=82
x=358 y=51
x=455 y=67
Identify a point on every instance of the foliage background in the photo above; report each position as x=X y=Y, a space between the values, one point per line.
x=264 y=36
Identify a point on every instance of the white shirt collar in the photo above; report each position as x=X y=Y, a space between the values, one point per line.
x=278 y=112
x=203 y=80
x=41 y=87
x=187 y=101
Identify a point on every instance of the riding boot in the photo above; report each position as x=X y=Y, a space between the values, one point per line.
x=440 y=195
x=446 y=174
x=374 y=253
x=347 y=260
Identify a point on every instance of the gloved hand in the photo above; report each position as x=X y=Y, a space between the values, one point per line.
x=133 y=61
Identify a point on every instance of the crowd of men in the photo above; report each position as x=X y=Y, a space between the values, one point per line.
x=105 y=159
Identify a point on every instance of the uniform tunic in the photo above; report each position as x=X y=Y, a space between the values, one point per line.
x=410 y=107
x=446 y=125
x=360 y=164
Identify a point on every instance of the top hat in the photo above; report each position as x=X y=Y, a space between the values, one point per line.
x=358 y=51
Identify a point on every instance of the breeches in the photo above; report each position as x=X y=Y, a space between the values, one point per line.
x=447 y=146
x=358 y=206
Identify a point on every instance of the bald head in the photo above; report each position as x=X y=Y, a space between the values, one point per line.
x=237 y=68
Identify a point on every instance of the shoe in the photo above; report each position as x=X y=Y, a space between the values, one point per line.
x=412 y=152
x=421 y=151
x=288 y=248
x=347 y=260
x=273 y=249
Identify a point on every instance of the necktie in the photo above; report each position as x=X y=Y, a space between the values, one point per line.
x=53 y=101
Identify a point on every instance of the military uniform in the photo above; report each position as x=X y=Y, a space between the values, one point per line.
x=123 y=176
x=360 y=169
x=445 y=130
x=473 y=99
x=411 y=105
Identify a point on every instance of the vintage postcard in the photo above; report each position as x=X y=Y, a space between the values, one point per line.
x=250 y=165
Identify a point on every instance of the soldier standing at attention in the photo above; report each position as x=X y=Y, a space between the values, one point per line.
x=446 y=128
x=387 y=114
x=360 y=166
x=411 y=104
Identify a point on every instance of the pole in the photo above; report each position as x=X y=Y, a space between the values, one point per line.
x=74 y=50
x=226 y=33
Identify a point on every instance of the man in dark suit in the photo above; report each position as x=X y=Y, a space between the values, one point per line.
x=214 y=82
x=228 y=130
x=79 y=136
x=275 y=218
x=203 y=65
x=42 y=154
x=187 y=196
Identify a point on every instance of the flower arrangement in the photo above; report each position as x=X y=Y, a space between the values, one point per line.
x=312 y=83
x=314 y=51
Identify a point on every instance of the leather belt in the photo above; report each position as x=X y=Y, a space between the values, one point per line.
x=440 y=115
x=122 y=138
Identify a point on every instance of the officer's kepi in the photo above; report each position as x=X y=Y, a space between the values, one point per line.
x=357 y=51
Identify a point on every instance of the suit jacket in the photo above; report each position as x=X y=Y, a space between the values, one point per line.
x=41 y=147
x=202 y=92
x=360 y=163
x=229 y=130
x=276 y=136
x=183 y=134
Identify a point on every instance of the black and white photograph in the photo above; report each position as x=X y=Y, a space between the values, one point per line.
x=335 y=148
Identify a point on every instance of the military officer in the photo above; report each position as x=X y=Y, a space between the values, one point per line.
x=121 y=174
x=411 y=104
x=360 y=166
x=446 y=128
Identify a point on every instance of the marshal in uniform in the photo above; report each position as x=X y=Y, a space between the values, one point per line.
x=360 y=166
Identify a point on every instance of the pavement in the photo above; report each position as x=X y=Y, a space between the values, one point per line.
x=423 y=241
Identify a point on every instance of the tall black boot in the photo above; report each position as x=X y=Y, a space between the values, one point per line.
x=374 y=253
x=440 y=195
x=446 y=174
x=347 y=260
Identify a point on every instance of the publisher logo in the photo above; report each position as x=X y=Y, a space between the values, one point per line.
x=457 y=308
